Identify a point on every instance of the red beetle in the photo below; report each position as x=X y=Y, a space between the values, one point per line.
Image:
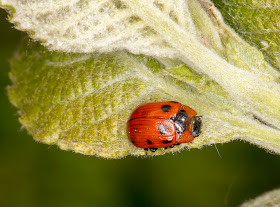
x=163 y=124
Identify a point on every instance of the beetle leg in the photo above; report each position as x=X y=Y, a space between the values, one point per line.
x=146 y=149
x=153 y=149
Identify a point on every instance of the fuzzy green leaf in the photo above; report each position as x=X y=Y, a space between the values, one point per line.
x=257 y=22
x=268 y=199
x=82 y=101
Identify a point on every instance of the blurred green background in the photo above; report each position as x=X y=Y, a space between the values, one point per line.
x=34 y=174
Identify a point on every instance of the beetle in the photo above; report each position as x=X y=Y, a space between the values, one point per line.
x=155 y=125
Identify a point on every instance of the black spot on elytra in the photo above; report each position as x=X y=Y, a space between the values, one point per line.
x=166 y=108
x=149 y=141
x=163 y=129
x=166 y=141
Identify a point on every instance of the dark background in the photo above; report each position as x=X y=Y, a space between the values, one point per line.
x=35 y=174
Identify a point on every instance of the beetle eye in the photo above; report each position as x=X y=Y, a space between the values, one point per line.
x=196 y=127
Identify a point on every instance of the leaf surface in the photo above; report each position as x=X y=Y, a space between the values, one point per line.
x=83 y=101
x=257 y=22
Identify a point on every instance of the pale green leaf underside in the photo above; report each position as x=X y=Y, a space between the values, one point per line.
x=82 y=102
x=257 y=22
x=267 y=199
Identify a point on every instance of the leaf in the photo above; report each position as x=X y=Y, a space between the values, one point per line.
x=271 y=198
x=231 y=85
x=257 y=22
x=154 y=28
x=87 y=26
x=82 y=102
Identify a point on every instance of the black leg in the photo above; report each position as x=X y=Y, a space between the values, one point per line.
x=171 y=146
x=146 y=149
x=153 y=149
